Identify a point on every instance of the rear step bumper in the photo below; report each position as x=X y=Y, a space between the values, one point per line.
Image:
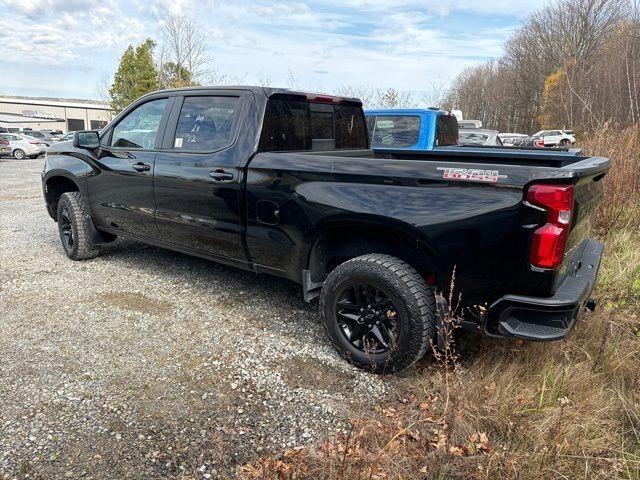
x=548 y=318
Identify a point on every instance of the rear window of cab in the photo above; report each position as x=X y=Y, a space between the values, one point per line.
x=394 y=131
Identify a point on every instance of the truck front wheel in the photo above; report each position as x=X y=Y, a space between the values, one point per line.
x=378 y=312
x=74 y=227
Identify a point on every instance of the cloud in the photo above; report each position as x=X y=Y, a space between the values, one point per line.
x=293 y=10
x=159 y=9
x=325 y=44
x=36 y=8
x=64 y=36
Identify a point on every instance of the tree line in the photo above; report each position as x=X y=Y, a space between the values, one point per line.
x=572 y=64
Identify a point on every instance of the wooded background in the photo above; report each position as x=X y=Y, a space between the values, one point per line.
x=572 y=64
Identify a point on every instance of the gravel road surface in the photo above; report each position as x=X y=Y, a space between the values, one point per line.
x=144 y=363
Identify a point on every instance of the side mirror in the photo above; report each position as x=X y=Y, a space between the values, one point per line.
x=86 y=139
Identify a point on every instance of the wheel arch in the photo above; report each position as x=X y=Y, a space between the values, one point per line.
x=337 y=242
x=54 y=186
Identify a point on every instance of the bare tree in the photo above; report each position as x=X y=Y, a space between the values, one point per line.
x=366 y=94
x=373 y=97
x=393 y=98
x=435 y=94
x=263 y=80
x=184 y=53
x=102 y=89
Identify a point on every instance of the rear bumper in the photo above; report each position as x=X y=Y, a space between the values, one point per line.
x=547 y=318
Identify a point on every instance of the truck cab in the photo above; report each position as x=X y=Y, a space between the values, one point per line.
x=411 y=129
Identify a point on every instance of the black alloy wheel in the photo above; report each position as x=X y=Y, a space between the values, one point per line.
x=378 y=312
x=66 y=230
x=368 y=318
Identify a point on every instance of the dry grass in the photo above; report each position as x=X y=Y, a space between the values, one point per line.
x=516 y=410
x=566 y=410
x=621 y=200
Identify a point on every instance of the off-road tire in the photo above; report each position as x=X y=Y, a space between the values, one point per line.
x=18 y=154
x=72 y=205
x=413 y=298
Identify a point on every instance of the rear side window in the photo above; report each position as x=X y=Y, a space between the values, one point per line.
x=446 y=130
x=206 y=123
x=395 y=131
x=297 y=125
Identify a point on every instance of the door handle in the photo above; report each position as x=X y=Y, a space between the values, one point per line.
x=141 y=167
x=222 y=176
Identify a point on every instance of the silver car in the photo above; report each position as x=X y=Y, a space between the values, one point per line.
x=21 y=146
x=478 y=136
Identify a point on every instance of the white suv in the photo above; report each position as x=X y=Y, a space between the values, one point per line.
x=553 y=138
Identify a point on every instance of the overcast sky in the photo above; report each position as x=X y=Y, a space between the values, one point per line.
x=63 y=48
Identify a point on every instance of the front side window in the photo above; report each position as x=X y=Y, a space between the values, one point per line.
x=206 y=123
x=395 y=131
x=139 y=129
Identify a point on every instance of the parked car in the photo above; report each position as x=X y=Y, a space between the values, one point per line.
x=512 y=139
x=5 y=148
x=470 y=123
x=533 y=141
x=283 y=183
x=555 y=138
x=22 y=146
x=44 y=137
x=57 y=135
x=479 y=137
x=68 y=136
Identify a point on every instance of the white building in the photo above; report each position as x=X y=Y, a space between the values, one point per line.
x=53 y=113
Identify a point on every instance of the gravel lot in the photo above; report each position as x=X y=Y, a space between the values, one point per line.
x=146 y=363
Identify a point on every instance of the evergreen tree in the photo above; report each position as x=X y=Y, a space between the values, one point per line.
x=136 y=75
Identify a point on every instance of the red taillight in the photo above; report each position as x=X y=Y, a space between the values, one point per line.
x=549 y=241
x=36 y=142
x=312 y=97
x=4 y=142
x=538 y=143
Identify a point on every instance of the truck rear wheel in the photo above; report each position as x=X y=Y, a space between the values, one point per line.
x=74 y=227
x=378 y=312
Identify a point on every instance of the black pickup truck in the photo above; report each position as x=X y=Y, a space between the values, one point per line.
x=284 y=183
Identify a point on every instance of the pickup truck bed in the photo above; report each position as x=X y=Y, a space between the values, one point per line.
x=284 y=183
